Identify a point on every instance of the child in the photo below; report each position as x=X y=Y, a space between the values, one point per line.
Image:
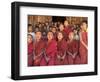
x=83 y=43
x=30 y=49
x=67 y=29
x=30 y=31
x=61 y=28
x=39 y=45
x=61 y=57
x=54 y=31
x=72 y=50
x=50 y=50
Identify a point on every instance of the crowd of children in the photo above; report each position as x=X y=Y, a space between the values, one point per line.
x=58 y=44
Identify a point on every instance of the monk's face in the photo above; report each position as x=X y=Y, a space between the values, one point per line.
x=60 y=36
x=84 y=26
x=66 y=23
x=38 y=35
x=71 y=36
x=29 y=39
x=53 y=30
x=50 y=35
x=61 y=27
x=30 y=29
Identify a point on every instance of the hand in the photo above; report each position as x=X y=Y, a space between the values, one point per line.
x=58 y=56
x=47 y=59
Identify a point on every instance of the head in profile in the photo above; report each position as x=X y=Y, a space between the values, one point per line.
x=84 y=26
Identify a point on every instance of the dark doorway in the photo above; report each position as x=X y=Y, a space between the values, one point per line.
x=58 y=19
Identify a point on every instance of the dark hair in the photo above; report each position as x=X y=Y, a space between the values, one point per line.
x=50 y=31
x=30 y=35
x=30 y=25
x=53 y=27
x=60 y=32
x=84 y=21
x=38 y=31
x=66 y=20
x=61 y=24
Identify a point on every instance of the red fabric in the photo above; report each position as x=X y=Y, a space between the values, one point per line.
x=67 y=30
x=30 y=48
x=61 y=48
x=83 y=51
x=55 y=36
x=30 y=54
x=73 y=47
x=38 y=48
x=51 y=50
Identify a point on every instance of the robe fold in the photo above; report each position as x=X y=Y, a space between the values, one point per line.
x=61 y=57
x=73 y=47
x=67 y=30
x=38 y=52
x=82 y=50
x=30 y=54
x=50 y=52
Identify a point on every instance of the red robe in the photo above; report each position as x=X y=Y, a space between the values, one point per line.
x=50 y=52
x=73 y=47
x=61 y=57
x=83 y=51
x=67 y=30
x=30 y=54
x=55 y=35
x=38 y=52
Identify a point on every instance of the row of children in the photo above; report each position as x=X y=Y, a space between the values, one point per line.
x=59 y=47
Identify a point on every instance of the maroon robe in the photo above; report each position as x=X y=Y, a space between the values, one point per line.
x=55 y=35
x=82 y=50
x=38 y=52
x=67 y=30
x=61 y=57
x=50 y=52
x=30 y=54
x=73 y=47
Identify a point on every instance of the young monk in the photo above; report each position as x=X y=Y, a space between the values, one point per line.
x=61 y=28
x=83 y=43
x=54 y=31
x=72 y=50
x=30 y=49
x=50 y=50
x=61 y=58
x=30 y=31
x=67 y=28
x=39 y=45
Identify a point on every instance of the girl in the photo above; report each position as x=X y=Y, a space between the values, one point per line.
x=61 y=57
x=50 y=50
x=83 y=43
